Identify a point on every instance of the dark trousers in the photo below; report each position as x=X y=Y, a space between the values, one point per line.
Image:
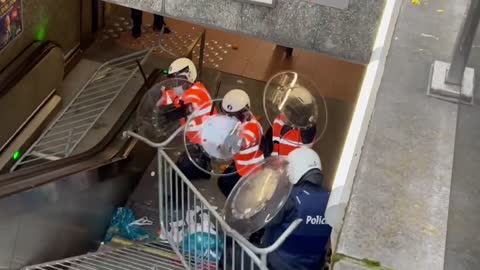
x=288 y=50
x=237 y=258
x=190 y=170
x=227 y=183
x=137 y=15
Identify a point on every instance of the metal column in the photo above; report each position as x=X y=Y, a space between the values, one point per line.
x=464 y=43
x=454 y=81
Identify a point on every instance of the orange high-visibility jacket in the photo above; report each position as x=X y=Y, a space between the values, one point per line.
x=201 y=103
x=250 y=154
x=168 y=97
x=199 y=98
x=285 y=139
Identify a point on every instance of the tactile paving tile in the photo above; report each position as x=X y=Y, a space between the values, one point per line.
x=177 y=42
x=115 y=26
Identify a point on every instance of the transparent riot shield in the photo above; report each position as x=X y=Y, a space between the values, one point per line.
x=160 y=112
x=259 y=196
x=218 y=138
x=294 y=100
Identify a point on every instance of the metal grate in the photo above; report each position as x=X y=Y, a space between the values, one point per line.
x=64 y=134
x=149 y=256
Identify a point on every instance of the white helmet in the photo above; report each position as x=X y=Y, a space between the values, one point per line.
x=301 y=161
x=235 y=100
x=301 y=94
x=299 y=107
x=183 y=67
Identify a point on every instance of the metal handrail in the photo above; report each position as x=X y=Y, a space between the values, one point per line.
x=225 y=226
x=248 y=247
x=111 y=71
x=132 y=134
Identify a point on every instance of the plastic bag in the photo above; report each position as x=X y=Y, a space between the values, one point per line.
x=204 y=245
x=123 y=225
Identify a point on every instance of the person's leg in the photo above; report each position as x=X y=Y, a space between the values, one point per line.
x=227 y=183
x=289 y=51
x=256 y=237
x=190 y=170
x=137 y=22
x=235 y=258
x=159 y=23
x=267 y=142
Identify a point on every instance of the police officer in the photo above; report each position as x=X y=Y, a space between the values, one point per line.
x=306 y=247
x=198 y=97
x=237 y=104
x=181 y=68
x=296 y=127
x=199 y=101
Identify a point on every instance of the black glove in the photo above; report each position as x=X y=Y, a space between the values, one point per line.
x=171 y=113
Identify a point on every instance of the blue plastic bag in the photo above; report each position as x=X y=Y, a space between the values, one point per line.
x=204 y=245
x=121 y=226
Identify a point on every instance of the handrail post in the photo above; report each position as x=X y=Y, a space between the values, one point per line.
x=455 y=82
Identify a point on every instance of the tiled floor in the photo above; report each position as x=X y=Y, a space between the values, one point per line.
x=241 y=55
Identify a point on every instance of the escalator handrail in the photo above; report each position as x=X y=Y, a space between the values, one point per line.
x=101 y=153
x=8 y=81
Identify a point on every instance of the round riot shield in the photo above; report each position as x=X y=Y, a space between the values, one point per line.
x=295 y=100
x=259 y=196
x=159 y=113
x=213 y=140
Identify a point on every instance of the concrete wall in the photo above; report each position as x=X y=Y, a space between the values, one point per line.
x=346 y=34
x=59 y=19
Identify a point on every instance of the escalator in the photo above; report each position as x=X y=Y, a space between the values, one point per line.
x=34 y=104
x=58 y=207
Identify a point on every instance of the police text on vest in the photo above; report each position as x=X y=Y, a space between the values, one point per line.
x=317 y=220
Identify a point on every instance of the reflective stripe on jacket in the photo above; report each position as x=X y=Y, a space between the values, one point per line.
x=196 y=96
x=286 y=139
x=201 y=103
x=250 y=154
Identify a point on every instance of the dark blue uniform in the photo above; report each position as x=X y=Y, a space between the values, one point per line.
x=306 y=247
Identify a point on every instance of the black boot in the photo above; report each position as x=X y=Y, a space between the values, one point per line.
x=136 y=33
x=159 y=23
x=137 y=22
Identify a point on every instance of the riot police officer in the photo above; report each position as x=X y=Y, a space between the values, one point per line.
x=236 y=103
x=198 y=98
x=294 y=128
x=306 y=247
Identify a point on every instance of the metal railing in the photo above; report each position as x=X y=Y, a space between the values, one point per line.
x=203 y=242
x=198 y=41
x=148 y=256
x=188 y=222
x=64 y=134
